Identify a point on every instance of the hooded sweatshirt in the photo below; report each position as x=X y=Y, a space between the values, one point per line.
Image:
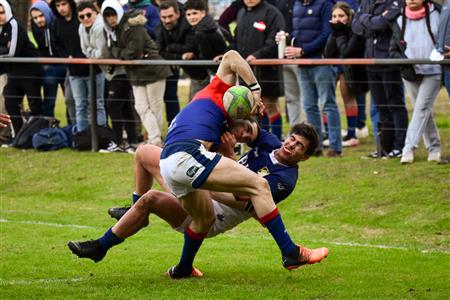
x=130 y=41
x=14 y=42
x=44 y=36
x=68 y=41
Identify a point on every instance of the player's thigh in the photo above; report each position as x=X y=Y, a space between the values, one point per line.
x=199 y=205
x=230 y=176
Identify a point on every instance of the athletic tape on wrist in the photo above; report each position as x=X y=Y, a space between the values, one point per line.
x=254 y=87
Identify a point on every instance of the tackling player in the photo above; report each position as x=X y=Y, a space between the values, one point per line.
x=190 y=169
x=278 y=162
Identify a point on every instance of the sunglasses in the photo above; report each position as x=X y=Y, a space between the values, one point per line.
x=88 y=16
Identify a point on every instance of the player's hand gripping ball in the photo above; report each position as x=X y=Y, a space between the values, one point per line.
x=238 y=102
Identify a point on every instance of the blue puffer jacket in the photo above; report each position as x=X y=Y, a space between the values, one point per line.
x=311 y=26
x=369 y=23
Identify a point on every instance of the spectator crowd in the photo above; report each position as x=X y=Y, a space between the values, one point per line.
x=133 y=96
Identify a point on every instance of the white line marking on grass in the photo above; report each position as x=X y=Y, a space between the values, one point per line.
x=44 y=280
x=425 y=251
x=351 y=244
x=48 y=224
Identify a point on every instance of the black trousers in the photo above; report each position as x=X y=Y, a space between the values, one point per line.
x=120 y=108
x=387 y=90
x=15 y=90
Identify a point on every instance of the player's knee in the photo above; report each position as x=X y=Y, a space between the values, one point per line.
x=262 y=186
x=146 y=202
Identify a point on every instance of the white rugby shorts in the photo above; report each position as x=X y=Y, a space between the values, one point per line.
x=226 y=218
x=186 y=165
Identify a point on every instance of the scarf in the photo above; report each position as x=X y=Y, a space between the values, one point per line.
x=415 y=14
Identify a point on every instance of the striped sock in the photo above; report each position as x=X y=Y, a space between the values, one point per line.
x=275 y=224
x=352 y=118
x=192 y=242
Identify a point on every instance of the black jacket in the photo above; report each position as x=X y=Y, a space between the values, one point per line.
x=255 y=35
x=14 y=42
x=172 y=43
x=343 y=43
x=67 y=40
x=370 y=23
x=209 y=39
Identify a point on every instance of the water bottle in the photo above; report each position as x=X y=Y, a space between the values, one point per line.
x=281 y=45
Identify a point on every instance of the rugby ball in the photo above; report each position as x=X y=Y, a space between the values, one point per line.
x=238 y=102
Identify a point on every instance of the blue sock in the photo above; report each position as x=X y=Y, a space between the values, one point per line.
x=276 y=125
x=109 y=239
x=351 y=124
x=192 y=242
x=276 y=227
x=135 y=197
x=265 y=122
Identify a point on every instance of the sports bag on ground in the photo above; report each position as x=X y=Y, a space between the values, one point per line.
x=50 y=139
x=24 y=137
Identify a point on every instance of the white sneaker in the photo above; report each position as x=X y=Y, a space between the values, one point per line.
x=407 y=158
x=434 y=156
x=326 y=143
x=350 y=143
x=362 y=132
x=112 y=147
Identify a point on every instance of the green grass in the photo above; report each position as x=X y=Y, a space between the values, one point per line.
x=353 y=206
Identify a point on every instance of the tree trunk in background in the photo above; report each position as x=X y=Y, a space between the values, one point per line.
x=20 y=10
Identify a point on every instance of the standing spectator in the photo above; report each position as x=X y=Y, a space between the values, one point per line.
x=93 y=45
x=414 y=36
x=68 y=40
x=291 y=78
x=171 y=39
x=443 y=40
x=149 y=11
x=373 y=21
x=131 y=41
x=210 y=42
x=257 y=24
x=311 y=29
x=342 y=43
x=23 y=79
x=119 y=103
x=54 y=74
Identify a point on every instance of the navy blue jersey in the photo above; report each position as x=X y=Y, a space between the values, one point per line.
x=204 y=118
x=261 y=159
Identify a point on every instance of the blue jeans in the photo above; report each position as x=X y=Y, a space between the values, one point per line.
x=53 y=75
x=447 y=81
x=81 y=90
x=318 y=86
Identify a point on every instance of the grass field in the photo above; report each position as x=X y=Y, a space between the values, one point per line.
x=387 y=227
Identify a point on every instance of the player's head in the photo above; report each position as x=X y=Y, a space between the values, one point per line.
x=245 y=131
x=301 y=143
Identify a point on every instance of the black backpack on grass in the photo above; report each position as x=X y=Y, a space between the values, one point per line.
x=24 y=138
